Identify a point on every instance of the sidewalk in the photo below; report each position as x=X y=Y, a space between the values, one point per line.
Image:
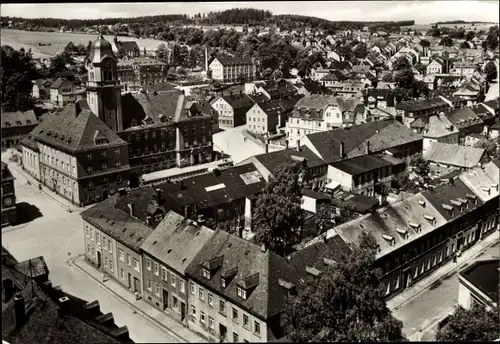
x=158 y=318
x=450 y=267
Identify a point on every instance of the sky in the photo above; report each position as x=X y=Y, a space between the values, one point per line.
x=423 y=12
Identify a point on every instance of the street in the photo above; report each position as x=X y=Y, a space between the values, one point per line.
x=422 y=313
x=56 y=234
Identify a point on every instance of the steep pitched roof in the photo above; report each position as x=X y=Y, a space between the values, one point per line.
x=74 y=129
x=483 y=180
x=232 y=61
x=453 y=154
x=360 y=164
x=381 y=134
x=58 y=83
x=271 y=161
x=129 y=45
x=439 y=126
x=255 y=270
x=18 y=118
x=176 y=241
x=464 y=118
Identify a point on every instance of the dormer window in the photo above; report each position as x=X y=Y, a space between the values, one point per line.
x=207 y=274
x=242 y=293
x=389 y=238
x=402 y=232
x=133 y=123
x=223 y=282
x=422 y=203
x=431 y=219
x=210 y=267
x=313 y=271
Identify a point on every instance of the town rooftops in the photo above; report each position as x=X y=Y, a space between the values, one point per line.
x=453 y=154
x=464 y=118
x=243 y=267
x=482 y=111
x=6 y=175
x=74 y=129
x=382 y=135
x=240 y=102
x=360 y=164
x=319 y=102
x=393 y=226
x=176 y=241
x=117 y=223
x=18 y=119
x=439 y=126
x=483 y=180
x=421 y=104
x=355 y=202
x=129 y=45
x=234 y=61
x=483 y=275
x=58 y=83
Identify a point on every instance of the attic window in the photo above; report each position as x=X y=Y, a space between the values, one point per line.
x=402 y=232
x=55 y=135
x=431 y=219
x=133 y=123
x=287 y=285
x=329 y=262
x=447 y=207
x=28 y=121
x=242 y=293
x=422 y=203
x=389 y=238
x=18 y=123
x=458 y=204
x=206 y=273
x=7 y=124
x=485 y=188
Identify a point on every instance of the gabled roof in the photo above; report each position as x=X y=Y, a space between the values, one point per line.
x=360 y=164
x=232 y=61
x=453 y=154
x=176 y=241
x=393 y=226
x=421 y=104
x=117 y=223
x=240 y=103
x=17 y=119
x=464 y=118
x=381 y=134
x=483 y=180
x=439 y=126
x=73 y=129
x=271 y=107
x=129 y=45
x=482 y=112
x=258 y=270
x=58 y=83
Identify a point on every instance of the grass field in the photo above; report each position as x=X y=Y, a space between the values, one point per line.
x=468 y=27
x=57 y=40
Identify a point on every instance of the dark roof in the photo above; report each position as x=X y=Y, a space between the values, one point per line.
x=6 y=175
x=339 y=65
x=313 y=256
x=271 y=107
x=118 y=223
x=176 y=241
x=377 y=93
x=279 y=87
x=444 y=194
x=213 y=189
x=421 y=104
x=355 y=202
x=272 y=160
x=481 y=111
x=129 y=45
x=315 y=87
x=240 y=103
x=17 y=119
x=315 y=194
x=381 y=134
x=494 y=104
x=231 y=61
x=256 y=270
x=58 y=83
x=71 y=132
x=463 y=118
x=360 y=164
x=484 y=275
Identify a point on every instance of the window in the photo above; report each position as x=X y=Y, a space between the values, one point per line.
x=222 y=307
x=103 y=153
x=202 y=317
x=211 y=324
x=210 y=300
x=87 y=230
x=173 y=280
x=157 y=290
x=235 y=314
x=118 y=179
x=193 y=312
x=163 y=273
x=106 y=262
x=256 y=327
x=175 y=302
x=111 y=265
x=242 y=293
x=201 y=294
x=89 y=156
x=245 y=321
x=122 y=274
x=105 y=181
x=235 y=337
x=191 y=288
x=117 y=151
x=148 y=264
x=118 y=164
x=136 y=264
x=98 y=238
x=128 y=260
x=182 y=286
x=157 y=269
x=150 y=285
x=206 y=273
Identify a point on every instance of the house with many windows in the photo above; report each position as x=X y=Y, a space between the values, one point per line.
x=167 y=253
x=15 y=126
x=9 y=212
x=232 y=108
x=237 y=290
x=62 y=92
x=232 y=69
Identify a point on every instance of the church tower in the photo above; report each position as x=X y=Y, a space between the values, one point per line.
x=103 y=87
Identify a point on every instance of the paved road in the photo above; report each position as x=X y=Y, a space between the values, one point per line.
x=232 y=142
x=424 y=311
x=57 y=236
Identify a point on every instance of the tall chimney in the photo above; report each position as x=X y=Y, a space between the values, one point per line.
x=367 y=147
x=19 y=309
x=206 y=59
x=131 y=208
x=267 y=147
x=158 y=194
x=298 y=145
x=342 y=150
x=286 y=144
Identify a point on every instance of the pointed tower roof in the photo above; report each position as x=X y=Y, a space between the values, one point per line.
x=100 y=49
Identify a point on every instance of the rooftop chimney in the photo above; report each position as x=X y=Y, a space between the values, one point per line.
x=8 y=289
x=158 y=194
x=367 y=147
x=342 y=150
x=267 y=147
x=131 y=208
x=19 y=309
x=77 y=109
x=298 y=145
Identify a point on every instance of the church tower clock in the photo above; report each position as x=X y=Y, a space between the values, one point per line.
x=103 y=87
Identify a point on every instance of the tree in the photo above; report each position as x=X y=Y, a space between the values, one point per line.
x=277 y=74
x=360 y=51
x=345 y=303
x=420 y=165
x=490 y=146
x=58 y=64
x=476 y=324
x=425 y=43
x=491 y=71
x=267 y=73
x=446 y=41
x=17 y=71
x=470 y=36
x=403 y=182
x=400 y=63
x=162 y=53
x=209 y=73
x=278 y=214
x=387 y=77
x=404 y=78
